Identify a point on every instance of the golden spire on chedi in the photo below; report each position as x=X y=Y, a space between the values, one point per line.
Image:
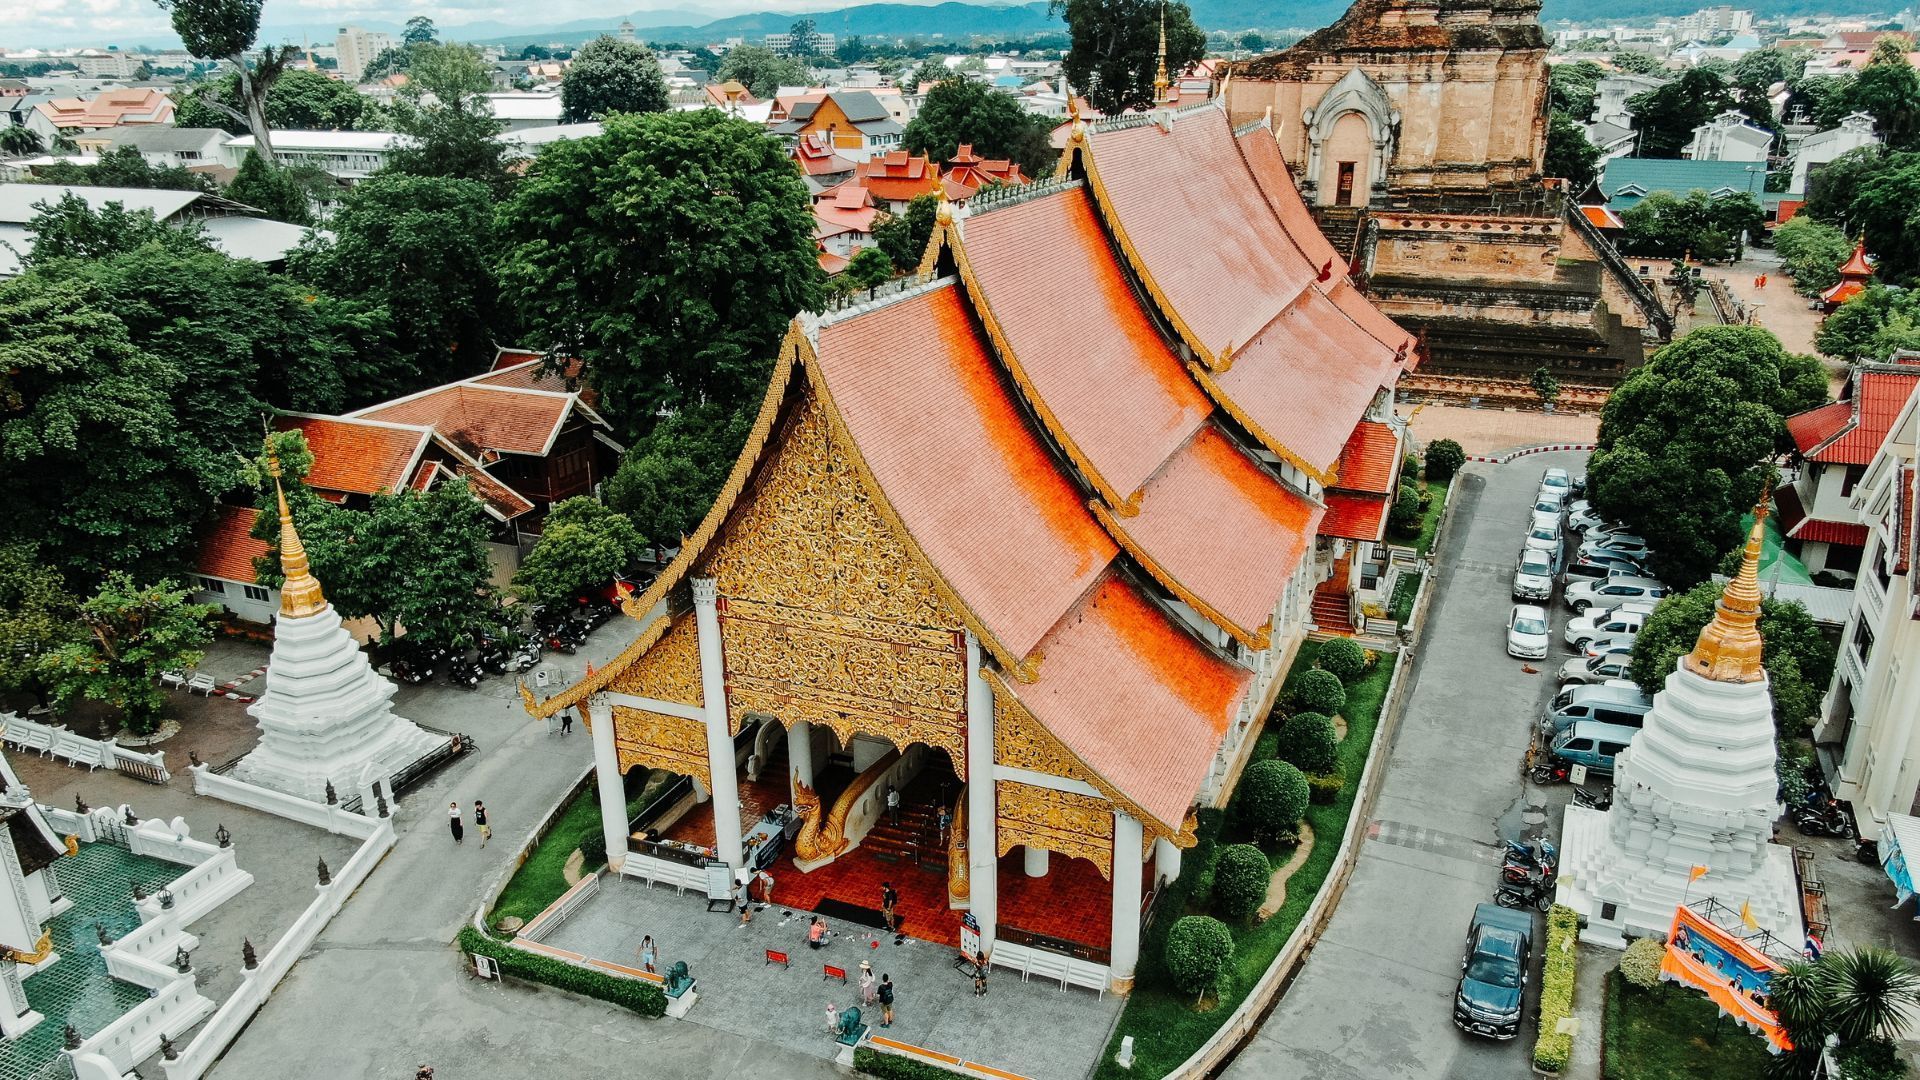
x=1160 y=80
x=300 y=593
x=1729 y=647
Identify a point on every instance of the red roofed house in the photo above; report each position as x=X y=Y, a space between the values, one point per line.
x=1835 y=443
x=1037 y=536
x=819 y=163
x=521 y=440
x=1855 y=273
x=110 y=109
x=970 y=172
x=843 y=219
x=896 y=178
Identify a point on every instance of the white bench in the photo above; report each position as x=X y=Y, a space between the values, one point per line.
x=1048 y=966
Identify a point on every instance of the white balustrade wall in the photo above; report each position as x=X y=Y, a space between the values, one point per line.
x=50 y=741
x=292 y=807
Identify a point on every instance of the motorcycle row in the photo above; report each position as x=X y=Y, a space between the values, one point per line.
x=560 y=628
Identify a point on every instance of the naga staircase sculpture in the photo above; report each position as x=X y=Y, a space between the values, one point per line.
x=825 y=837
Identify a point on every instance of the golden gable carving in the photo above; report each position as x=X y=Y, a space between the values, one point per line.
x=670 y=671
x=1079 y=826
x=659 y=741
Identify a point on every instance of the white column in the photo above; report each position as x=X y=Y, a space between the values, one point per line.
x=612 y=786
x=799 y=756
x=720 y=764
x=1036 y=860
x=982 y=809
x=16 y=1016
x=1166 y=860
x=1126 y=900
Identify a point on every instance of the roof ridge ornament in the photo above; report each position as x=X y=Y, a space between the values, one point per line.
x=1729 y=648
x=300 y=594
x=1160 y=81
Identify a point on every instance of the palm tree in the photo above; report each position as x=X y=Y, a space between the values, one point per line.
x=19 y=141
x=1799 y=999
x=1870 y=993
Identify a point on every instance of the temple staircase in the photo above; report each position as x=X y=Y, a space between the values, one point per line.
x=1332 y=603
x=915 y=838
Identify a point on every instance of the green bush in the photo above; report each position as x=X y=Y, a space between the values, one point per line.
x=1319 y=691
x=644 y=998
x=1404 y=519
x=894 y=1067
x=1444 y=458
x=1197 y=951
x=593 y=850
x=1344 y=657
x=1325 y=789
x=1273 y=797
x=1640 y=964
x=1240 y=880
x=1309 y=740
x=1874 y=1059
x=1556 y=990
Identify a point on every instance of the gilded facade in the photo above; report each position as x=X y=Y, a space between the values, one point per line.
x=1080 y=826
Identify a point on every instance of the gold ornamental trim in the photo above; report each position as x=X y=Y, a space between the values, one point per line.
x=1729 y=648
x=1074 y=825
x=959 y=874
x=656 y=740
x=41 y=950
x=1256 y=639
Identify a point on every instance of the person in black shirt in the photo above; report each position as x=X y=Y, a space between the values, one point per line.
x=886 y=1001
x=888 y=901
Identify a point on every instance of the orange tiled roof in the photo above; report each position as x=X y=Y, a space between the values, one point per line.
x=478 y=416
x=228 y=548
x=506 y=502
x=1355 y=517
x=1368 y=461
x=1797 y=524
x=110 y=109
x=817 y=157
x=831 y=263
x=974 y=486
x=898 y=176
x=1849 y=432
x=1223 y=530
x=1261 y=151
x=1842 y=291
x=1856 y=265
x=1135 y=697
x=1602 y=218
x=354 y=456
x=1815 y=426
x=1080 y=338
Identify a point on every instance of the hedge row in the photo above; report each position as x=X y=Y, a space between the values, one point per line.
x=644 y=998
x=1556 y=990
x=894 y=1067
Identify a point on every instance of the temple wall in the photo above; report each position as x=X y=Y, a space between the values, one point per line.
x=1430 y=246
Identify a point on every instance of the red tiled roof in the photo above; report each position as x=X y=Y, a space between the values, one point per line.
x=1849 y=432
x=509 y=358
x=1358 y=308
x=1222 y=529
x=1797 y=524
x=1261 y=152
x=1080 y=338
x=477 y=416
x=831 y=263
x=1842 y=291
x=508 y=503
x=898 y=176
x=975 y=487
x=1355 y=517
x=1368 y=461
x=1602 y=218
x=228 y=548
x=1135 y=697
x=1818 y=424
x=354 y=456
x=526 y=376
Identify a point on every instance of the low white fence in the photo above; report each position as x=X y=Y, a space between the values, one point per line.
x=562 y=909
x=280 y=804
x=50 y=741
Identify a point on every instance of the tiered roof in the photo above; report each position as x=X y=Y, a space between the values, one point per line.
x=1854 y=275
x=1848 y=431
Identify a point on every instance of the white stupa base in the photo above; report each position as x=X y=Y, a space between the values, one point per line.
x=1623 y=896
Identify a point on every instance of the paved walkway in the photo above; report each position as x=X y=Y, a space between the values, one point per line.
x=1782 y=310
x=1375 y=999
x=1495 y=431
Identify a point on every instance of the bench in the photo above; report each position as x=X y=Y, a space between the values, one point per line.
x=776 y=957
x=829 y=972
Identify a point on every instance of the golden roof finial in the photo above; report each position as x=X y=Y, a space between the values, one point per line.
x=1160 y=81
x=300 y=594
x=1729 y=648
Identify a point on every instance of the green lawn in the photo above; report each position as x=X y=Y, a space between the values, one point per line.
x=1400 y=607
x=1675 y=1033
x=1431 y=523
x=542 y=878
x=1165 y=1028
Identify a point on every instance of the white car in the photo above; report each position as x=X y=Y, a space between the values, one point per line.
x=1596 y=669
x=1583 y=518
x=1556 y=480
x=1601 y=622
x=1546 y=509
x=1625 y=544
x=1612 y=590
x=1528 y=632
x=1607 y=643
x=1542 y=536
x=1533 y=575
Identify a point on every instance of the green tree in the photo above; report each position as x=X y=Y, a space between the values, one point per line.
x=1545 y=384
x=929 y=70
x=1272 y=798
x=1797 y=656
x=123 y=167
x=1868 y=992
x=868 y=268
x=1883 y=210
x=37 y=618
x=1635 y=63
x=1241 y=874
x=451 y=142
x=762 y=71
x=1888 y=89
x=225 y=30
x=271 y=191
x=582 y=544
x=1309 y=740
x=904 y=238
x=1444 y=458
x=1571 y=88
x=1707 y=227
x=21 y=141
x=1197 y=953
x=802 y=40
x=853 y=50
x=1764 y=67
x=304 y=100
x=133 y=633
x=71 y=229
x=419 y=31
x=1666 y=115
x=1831 y=187
x=1871 y=325
x=675 y=284
x=1812 y=251
x=1570 y=154
x=421 y=249
x=960 y=111
x=610 y=76
x=1115 y=50
x=1252 y=41
x=1686 y=442
x=1816 y=99
x=668 y=479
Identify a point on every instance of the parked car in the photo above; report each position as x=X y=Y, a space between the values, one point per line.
x=1557 y=480
x=1543 y=536
x=1620 y=544
x=1588 y=670
x=1546 y=509
x=1613 y=589
x=1579 y=484
x=1533 y=575
x=1528 y=632
x=1607 y=643
x=1624 y=618
x=1593 y=744
x=1582 y=518
x=1623 y=706
x=1493 y=972
x=1601 y=563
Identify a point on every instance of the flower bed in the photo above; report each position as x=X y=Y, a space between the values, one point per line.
x=1550 y=1051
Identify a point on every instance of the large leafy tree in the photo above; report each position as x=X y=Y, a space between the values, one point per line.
x=802 y=39
x=299 y=100
x=1888 y=89
x=124 y=167
x=609 y=76
x=1635 y=63
x=225 y=30
x=1569 y=153
x=451 y=130
x=668 y=479
x=133 y=633
x=71 y=229
x=20 y=141
x=582 y=544
x=1115 y=48
x=1666 y=115
x=1883 y=207
x=904 y=237
x=1687 y=439
x=1571 y=88
x=762 y=71
x=1812 y=251
x=668 y=254
x=421 y=249
x=960 y=111
x=1871 y=325
x=270 y=190
x=1700 y=225
x=420 y=31
x=38 y=616
x=1798 y=657
x=1831 y=187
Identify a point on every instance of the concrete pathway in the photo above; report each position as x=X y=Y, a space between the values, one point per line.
x=1495 y=431
x=1375 y=999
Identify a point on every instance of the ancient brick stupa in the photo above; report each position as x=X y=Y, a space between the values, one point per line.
x=1696 y=788
x=326 y=715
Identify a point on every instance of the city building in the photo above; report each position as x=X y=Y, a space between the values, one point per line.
x=74 y=115
x=1855 y=131
x=1721 y=21
x=238 y=230
x=1836 y=442
x=355 y=48
x=1069 y=633
x=163 y=147
x=518 y=111
x=854 y=121
x=1729 y=136
x=1613 y=91
x=345 y=155
x=782 y=43
x=1625 y=181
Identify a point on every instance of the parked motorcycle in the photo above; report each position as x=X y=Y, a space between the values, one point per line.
x=1593 y=800
x=1549 y=772
x=1534 y=892
x=464 y=674
x=1829 y=819
x=1535 y=858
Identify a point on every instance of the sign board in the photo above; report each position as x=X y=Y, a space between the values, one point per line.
x=1732 y=972
x=485 y=966
x=719 y=885
x=1577 y=776
x=970 y=937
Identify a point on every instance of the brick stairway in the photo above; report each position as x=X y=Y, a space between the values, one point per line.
x=1331 y=608
x=915 y=837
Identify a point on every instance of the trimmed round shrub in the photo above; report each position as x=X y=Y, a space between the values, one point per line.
x=1319 y=691
x=1325 y=789
x=1198 y=949
x=1344 y=657
x=593 y=849
x=1240 y=878
x=1640 y=964
x=1309 y=741
x=1273 y=797
x=1444 y=458
x=1404 y=518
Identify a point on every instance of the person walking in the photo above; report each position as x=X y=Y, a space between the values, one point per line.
x=866 y=984
x=886 y=1001
x=566 y=721
x=649 y=955
x=946 y=822
x=893 y=804
x=979 y=982
x=888 y=901
x=480 y=822
x=766 y=889
x=833 y=1019
x=454 y=822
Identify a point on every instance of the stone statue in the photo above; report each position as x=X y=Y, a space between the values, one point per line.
x=679 y=979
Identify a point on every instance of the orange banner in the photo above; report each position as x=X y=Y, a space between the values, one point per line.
x=1734 y=974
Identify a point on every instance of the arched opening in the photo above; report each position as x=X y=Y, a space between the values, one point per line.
x=1346 y=159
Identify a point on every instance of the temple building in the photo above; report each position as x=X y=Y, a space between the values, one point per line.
x=1417 y=131
x=1031 y=540
x=1695 y=795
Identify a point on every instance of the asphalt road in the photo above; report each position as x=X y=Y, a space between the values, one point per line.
x=1375 y=998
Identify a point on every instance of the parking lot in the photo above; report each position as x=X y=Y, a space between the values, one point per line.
x=1375 y=998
